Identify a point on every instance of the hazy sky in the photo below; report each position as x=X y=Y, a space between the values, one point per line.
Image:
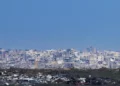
x=46 y=24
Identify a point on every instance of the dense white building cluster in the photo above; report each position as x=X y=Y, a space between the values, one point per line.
x=64 y=58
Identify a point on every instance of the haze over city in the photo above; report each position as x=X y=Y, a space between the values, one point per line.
x=59 y=24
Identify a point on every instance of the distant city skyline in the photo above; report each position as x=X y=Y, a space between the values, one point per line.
x=90 y=48
x=59 y=24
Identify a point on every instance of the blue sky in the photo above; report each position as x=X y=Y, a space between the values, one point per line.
x=58 y=24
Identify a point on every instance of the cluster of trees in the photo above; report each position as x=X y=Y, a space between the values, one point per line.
x=103 y=72
x=75 y=73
